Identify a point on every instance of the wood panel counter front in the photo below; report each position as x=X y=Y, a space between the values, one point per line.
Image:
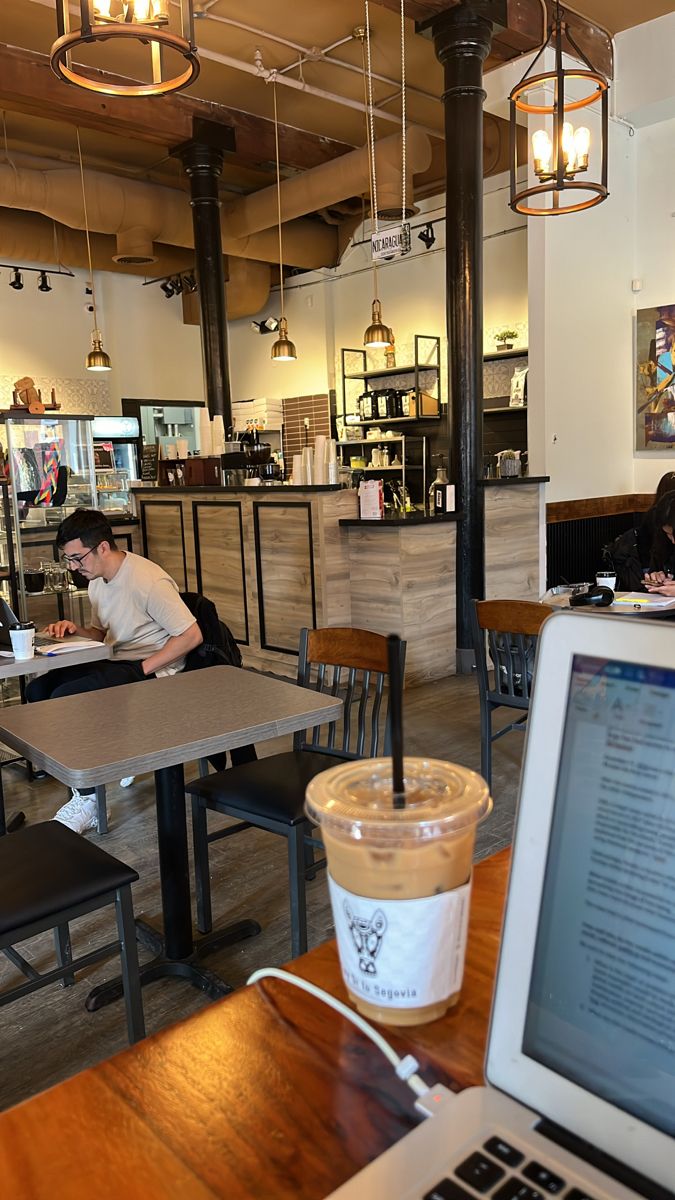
x=267 y=1095
x=272 y=559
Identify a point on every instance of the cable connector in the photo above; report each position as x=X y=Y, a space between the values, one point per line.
x=407 y=1067
x=430 y=1103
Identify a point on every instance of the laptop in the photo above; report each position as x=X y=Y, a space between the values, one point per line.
x=579 y=1100
x=42 y=640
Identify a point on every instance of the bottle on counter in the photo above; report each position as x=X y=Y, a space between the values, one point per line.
x=441 y=492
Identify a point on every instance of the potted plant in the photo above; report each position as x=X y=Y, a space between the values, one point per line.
x=505 y=339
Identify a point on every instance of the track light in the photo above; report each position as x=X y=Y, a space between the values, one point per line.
x=427 y=235
x=270 y=324
x=43 y=282
x=168 y=288
x=190 y=283
x=177 y=285
x=16 y=281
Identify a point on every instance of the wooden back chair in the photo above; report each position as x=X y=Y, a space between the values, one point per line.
x=269 y=793
x=510 y=628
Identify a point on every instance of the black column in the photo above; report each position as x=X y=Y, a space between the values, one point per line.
x=203 y=165
x=462 y=38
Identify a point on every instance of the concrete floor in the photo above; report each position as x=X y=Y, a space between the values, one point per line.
x=49 y=1036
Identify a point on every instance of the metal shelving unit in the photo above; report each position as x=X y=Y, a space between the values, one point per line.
x=427 y=362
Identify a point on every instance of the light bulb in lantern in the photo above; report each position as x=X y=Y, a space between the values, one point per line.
x=568 y=149
x=582 y=145
x=542 y=151
x=160 y=11
x=142 y=11
x=102 y=10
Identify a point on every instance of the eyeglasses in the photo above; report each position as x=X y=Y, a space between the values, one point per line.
x=76 y=560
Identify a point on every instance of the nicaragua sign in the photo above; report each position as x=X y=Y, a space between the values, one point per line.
x=392 y=242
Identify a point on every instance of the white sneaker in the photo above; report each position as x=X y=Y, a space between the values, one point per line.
x=80 y=813
x=127 y=781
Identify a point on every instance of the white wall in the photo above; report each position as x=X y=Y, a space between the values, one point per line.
x=48 y=335
x=655 y=253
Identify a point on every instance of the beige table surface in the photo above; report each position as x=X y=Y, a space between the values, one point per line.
x=622 y=610
x=99 y=737
x=40 y=664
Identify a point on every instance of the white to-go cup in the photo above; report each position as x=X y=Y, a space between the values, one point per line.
x=606 y=579
x=23 y=640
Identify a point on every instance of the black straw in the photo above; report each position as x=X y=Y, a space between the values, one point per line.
x=396 y=717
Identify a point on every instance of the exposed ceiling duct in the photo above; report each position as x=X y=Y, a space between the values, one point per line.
x=27 y=237
x=333 y=181
x=140 y=214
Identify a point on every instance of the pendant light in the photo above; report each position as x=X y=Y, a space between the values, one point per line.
x=145 y=23
x=377 y=335
x=561 y=156
x=283 y=349
x=97 y=359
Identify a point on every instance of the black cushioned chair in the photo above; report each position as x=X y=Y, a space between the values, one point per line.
x=48 y=877
x=511 y=628
x=270 y=793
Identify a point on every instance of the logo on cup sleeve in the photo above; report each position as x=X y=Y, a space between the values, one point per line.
x=367 y=934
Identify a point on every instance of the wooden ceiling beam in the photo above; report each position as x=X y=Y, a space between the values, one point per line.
x=28 y=85
x=524 y=31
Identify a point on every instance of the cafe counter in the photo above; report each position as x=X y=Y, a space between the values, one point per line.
x=274 y=559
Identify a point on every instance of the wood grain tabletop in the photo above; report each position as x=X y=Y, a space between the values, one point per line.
x=267 y=1094
x=99 y=737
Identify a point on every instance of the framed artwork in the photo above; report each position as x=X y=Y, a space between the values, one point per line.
x=655 y=379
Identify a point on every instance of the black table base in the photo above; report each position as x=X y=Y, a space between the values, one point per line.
x=176 y=955
x=189 y=968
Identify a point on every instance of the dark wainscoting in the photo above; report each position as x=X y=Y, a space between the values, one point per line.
x=577 y=530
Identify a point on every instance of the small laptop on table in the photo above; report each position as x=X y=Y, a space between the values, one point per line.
x=43 y=641
x=580 y=1095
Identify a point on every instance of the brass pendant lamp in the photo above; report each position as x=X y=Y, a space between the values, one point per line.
x=97 y=359
x=561 y=156
x=283 y=349
x=145 y=22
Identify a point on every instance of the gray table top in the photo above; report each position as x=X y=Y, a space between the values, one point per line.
x=100 y=737
x=41 y=663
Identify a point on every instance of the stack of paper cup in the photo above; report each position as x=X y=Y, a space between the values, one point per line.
x=298 y=473
x=331 y=462
x=205 y=442
x=308 y=466
x=319 y=452
x=218 y=435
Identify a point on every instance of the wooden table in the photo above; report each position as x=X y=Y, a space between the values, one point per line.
x=40 y=664
x=267 y=1095
x=158 y=725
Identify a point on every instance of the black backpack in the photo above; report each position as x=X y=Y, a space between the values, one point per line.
x=218 y=647
x=622 y=556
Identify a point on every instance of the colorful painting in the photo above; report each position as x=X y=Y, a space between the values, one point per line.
x=655 y=379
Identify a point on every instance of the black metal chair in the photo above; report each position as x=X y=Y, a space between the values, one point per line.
x=511 y=628
x=270 y=793
x=48 y=877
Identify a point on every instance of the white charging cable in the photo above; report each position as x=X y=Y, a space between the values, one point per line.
x=405 y=1068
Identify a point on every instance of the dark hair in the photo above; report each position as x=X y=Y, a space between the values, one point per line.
x=666 y=484
x=662 y=548
x=87 y=524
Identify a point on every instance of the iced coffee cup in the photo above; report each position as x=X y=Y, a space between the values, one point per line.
x=400 y=881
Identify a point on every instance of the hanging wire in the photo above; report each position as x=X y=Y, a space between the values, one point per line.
x=403 y=117
x=276 y=148
x=371 y=157
x=86 y=228
x=371 y=124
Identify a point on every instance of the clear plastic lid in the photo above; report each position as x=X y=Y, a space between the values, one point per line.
x=355 y=800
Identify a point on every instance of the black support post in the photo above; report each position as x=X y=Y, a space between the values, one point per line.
x=203 y=165
x=462 y=38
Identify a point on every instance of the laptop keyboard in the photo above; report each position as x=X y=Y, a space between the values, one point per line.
x=491 y=1171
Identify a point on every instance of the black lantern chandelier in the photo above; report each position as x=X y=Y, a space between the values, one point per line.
x=142 y=21
x=560 y=152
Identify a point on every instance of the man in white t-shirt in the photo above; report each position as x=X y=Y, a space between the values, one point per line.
x=135 y=607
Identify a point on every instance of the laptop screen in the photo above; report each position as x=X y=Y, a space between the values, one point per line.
x=601 y=1006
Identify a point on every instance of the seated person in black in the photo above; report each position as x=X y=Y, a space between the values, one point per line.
x=648 y=527
x=662 y=566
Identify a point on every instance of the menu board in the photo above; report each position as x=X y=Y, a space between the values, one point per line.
x=149 y=463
